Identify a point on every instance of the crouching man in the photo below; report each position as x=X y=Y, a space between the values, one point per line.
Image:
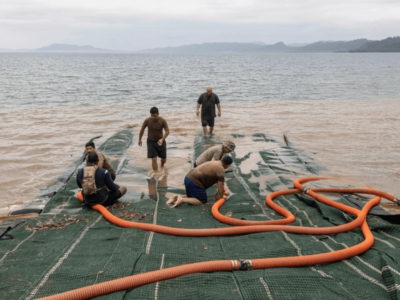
x=215 y=153
x=97 y=185
x=199 y=179
x=103 y=162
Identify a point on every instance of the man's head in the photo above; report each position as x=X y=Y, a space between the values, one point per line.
x=90 y=147
x=209 y=91
x=154 y=113
x=229 y=146
x=226 y=161
x=92 y=159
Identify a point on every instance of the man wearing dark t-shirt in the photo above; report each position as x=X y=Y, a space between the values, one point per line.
x=103 y=162
x=156 y=144
x=208 y=101
x=108 y=192
x=199 y=179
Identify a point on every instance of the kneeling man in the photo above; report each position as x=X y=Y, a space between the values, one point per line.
x=97 y=185
x=201 y=178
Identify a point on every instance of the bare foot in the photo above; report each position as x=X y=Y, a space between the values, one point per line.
x=178 y=202
x=172 y=199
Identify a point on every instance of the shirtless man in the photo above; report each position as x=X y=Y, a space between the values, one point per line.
x=156 y=144
x=103 y=162
x=215 y=153
x=199 y=179
x=208 y=101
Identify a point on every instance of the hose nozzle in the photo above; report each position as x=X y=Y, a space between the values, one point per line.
x=396 y=201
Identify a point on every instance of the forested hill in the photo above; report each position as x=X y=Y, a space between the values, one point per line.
x=322 y=46
x=391 y=44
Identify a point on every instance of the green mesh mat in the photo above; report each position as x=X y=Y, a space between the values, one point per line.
x=44 y=262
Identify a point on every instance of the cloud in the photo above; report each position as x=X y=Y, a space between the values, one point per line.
x=233 y=11
x=152 y=23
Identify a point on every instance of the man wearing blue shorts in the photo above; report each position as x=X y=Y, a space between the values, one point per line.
x=208 y=101
x=199 y=179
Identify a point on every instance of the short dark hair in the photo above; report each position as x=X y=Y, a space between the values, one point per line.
x=90 y=144
x=154 y=110
x=92 y=158
x=227 y=160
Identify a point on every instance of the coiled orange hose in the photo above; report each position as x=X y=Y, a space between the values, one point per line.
x=243 y=228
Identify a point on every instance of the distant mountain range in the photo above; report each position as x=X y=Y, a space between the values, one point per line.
x=64 y=48
x=70 y=48
x=386 y=45
x=318 y=47
x=360 y=45
x=391 y=44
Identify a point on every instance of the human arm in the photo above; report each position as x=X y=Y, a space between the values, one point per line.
x=79 y=179
x=166 y=133
x=198 y=109
x=141 y=133
x=110 y=183
x=222 y=193
x=101 y=159
x=199 y=102
x=219 y=109
x=218 y=152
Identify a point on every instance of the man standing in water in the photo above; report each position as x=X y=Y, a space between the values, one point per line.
x=208 y=101
x=201 y=178
x=156 y=144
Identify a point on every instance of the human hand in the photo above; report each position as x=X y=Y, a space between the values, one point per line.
x=140 y=143
x=219 y=114
x=160 y=142
x=197 y=113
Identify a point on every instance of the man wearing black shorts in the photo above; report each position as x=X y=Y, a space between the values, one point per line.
x=156 y=144
x=208 y=101
x=107 y=191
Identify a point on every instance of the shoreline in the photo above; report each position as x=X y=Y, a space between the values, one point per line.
x=334 y=142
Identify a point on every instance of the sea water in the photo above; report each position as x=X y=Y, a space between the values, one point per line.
x=342 y=109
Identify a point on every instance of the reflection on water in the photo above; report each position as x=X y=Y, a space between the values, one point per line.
x=358 y=142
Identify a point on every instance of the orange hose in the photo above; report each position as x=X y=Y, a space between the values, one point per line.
x=243 y=228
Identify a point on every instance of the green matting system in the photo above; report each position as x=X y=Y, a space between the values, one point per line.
x=90 y=250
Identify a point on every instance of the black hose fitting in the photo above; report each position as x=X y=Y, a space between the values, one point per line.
x=305 y=191
x=396 y=201
x=246 y=265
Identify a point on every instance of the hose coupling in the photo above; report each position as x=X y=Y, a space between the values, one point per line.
x=396 y=201
x=305 y=191
x=246 y=265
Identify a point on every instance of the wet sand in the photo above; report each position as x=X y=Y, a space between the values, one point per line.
x=356 y=140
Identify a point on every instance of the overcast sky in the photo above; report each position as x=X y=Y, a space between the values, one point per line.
x=134 y=25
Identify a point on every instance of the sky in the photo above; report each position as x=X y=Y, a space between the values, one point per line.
x=137 y=25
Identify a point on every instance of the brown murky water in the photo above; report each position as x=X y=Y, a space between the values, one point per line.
x=356 y=140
